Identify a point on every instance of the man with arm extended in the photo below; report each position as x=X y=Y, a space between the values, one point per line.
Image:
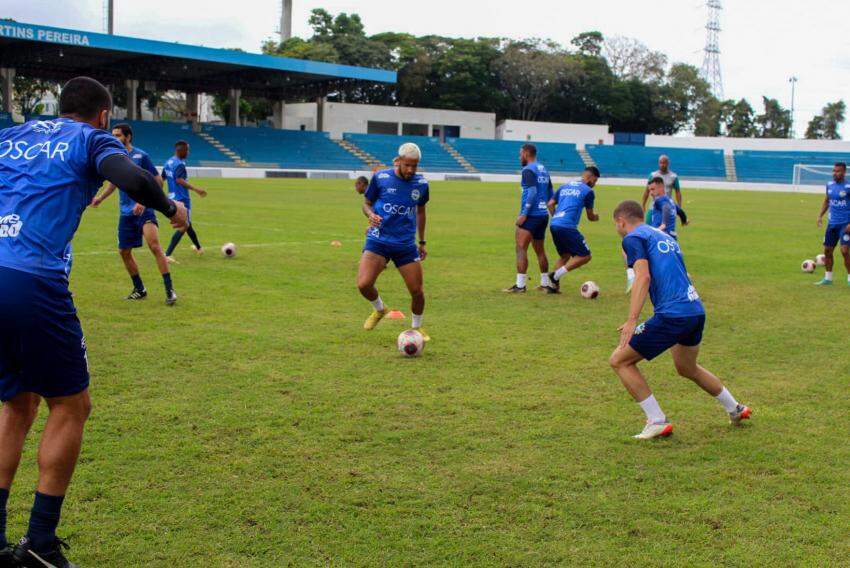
x=395 y=203
x=566 y=207
x=533 y=218
x=677 y=323
x=179 y=187
x=663 y=212
x=837 y=202
x=49 y=173
x=136 y=221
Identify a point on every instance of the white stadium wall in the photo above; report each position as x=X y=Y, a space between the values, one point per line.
x=579 y=134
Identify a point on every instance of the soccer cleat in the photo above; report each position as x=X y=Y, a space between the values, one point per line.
x=26 y=557
x=741 y=413
x=824 y=282
x=655 y=430
x=7 y=559
x=515 y=290
x=554 y=283
x=552 y=290
x=171 y=260
x=425 y=337
x=629 y=282
x=375 y=319
x=198 y=250
x=170 y=297
x=137 y=295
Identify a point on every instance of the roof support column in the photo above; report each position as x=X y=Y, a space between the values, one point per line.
x=7 y=77
x=279 y=109
x=192 y=108
x=132 y=86
x=235 y=95
x=320 y=114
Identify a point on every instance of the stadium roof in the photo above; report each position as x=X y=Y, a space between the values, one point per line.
x=60 y=54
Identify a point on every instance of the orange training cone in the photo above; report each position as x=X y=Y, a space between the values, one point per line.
x=395 y=315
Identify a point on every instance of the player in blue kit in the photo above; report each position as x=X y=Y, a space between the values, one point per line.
x=136 y=221
x=179 y=187
x=533 y=219
x=837 y=202
x=677 y=323
x=663 y=212
x=49 y=173
x=395 y=203
x=566 y=207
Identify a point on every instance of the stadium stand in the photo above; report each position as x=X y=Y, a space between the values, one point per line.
x=778 y=167
x=384 y=147
x=502 y=156
x=639 y=161
x=268 y=147
x=158 y=138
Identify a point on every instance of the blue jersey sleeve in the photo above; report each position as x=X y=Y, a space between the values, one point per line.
x=180 y=172
x=426 y=195
x=589 y=200
x=147 y=164
x=529 y=184
x=101 y=144
x=635 y=249
x=373 y=192
x=668 y=215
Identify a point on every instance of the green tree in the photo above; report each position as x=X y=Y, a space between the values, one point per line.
x=814 y=131
x=775 y=122
x=529 y=72
x=631 y=59
x=827 y=123
x=740 y=120
x=29 y=93
x=589 y=43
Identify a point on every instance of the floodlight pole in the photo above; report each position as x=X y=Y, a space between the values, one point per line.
x=285 y=19
x=793 y=81
x=111 y=15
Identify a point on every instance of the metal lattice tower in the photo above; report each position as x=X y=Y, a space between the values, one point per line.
x=711 y=61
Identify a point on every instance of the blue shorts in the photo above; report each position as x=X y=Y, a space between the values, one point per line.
x=399 y=254
x=660 y=333
x=131 y=228
x=569 y=241
x=536 y=226
x=42 y=348
x=835 y=236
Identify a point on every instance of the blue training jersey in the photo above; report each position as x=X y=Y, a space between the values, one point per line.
x=670 y=289
x=658 y=214
x=536 y=190
x=175 y=169
x=395 y=200
x=141 y=159
x=839 y=202
x=571 y=199
x=48 y=176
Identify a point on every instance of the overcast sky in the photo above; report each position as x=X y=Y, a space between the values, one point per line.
x=763 y=42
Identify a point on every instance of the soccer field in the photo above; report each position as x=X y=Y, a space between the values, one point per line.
x=257 y=424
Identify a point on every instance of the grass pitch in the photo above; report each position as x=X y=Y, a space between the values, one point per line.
x=256 y=424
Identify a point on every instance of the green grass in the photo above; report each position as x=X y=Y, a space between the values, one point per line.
x=256 y=424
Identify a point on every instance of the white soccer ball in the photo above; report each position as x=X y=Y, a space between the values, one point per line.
x=228 y=250
x=820 y=259
x=808 y=266
x=589 y=290
x=410 y=343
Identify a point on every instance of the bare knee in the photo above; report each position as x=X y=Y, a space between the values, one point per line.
x=24 y=408
x=125 y=253
x=688 y=371
x=77 y=408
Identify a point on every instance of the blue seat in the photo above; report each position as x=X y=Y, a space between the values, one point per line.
x=502 y=156
x=778 y=167
x=384 y=147
x=640 y=161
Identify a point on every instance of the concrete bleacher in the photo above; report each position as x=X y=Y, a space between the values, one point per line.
x=778 y=167
x=502 y=156
x=269 y=147
x=384 y=147
x=640 y=161
x=158 y=138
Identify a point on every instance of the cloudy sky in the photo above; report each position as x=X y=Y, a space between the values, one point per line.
x=763 y=42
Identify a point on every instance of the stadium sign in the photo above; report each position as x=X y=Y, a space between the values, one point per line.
x=53 y=36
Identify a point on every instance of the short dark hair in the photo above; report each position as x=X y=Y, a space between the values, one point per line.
x=630 y=210
x=84 y=97
x=363 y=179
x=593 y=170
x=841 y=165
x=125 y=129
x=530 y=149
x=181 y=144
x=657 y=179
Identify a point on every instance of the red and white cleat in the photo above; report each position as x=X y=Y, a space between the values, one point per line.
x=655 y=430
x=741 y=413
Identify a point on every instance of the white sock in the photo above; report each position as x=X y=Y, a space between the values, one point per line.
x=848 y=278
x=417 y=321
x=827 y=275
x=652 y=410
x=378 y=303
x=630 y=273
x=544 y=279
x=520 y=280
x=560 y=273
x=727 y=400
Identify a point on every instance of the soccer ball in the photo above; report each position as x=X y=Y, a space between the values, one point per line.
x=808 y=266
x=410 y=343
x=589 y=290
x=228 y=250
x=820 y=259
